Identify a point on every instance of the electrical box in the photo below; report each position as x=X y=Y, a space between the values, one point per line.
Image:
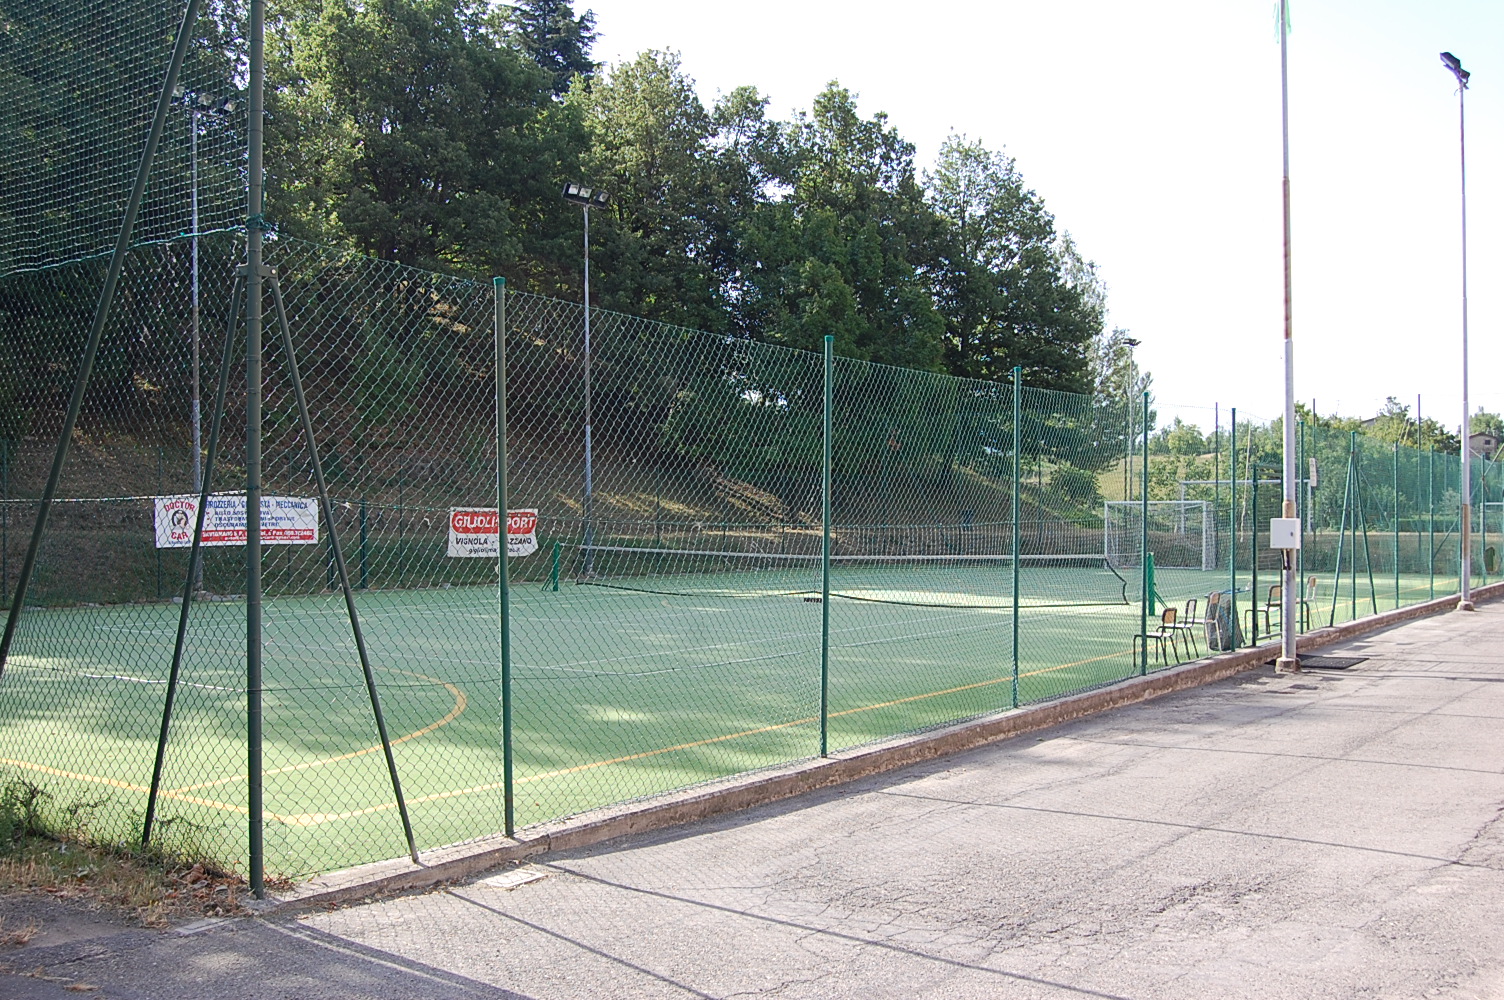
x=1284 y=532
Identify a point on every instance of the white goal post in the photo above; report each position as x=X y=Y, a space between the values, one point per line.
x=1181 y=534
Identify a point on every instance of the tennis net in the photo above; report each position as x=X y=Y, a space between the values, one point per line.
x=972 y=581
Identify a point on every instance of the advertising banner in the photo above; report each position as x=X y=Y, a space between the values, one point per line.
x=473 y=534
x=284 y=521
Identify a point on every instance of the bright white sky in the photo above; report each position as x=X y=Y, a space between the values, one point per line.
x=1152 y=131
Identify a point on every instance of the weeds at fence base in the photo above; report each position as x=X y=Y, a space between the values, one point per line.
x=47 y=849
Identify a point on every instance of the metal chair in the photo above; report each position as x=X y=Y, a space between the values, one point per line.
x=1167 y=630
x=1271 y=603
x=1189 y=624
x=1305 y=601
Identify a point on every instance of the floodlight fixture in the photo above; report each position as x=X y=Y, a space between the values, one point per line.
x=588 y=197
x=1454 y=64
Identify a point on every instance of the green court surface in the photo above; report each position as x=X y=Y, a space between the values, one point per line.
x=618 y=692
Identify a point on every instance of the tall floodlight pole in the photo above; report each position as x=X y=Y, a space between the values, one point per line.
x=1288 y=660
x=1465 y=575
x=197 y=105
x=587 y=198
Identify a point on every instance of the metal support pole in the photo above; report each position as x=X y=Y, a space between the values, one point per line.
x=195 y=563
x=1396 y=524
x=255 y=800
x=365 y=547
x=96 y=330
x=1362 y=514
x=1253 y=548
x=198 y=471
x=1303 y=512
x=825 y=508
x=1232 y=530
x=1465 y=571
x=1347 y=493
x=1018 y=379
x=589 y=563
x=1147 y=595
x=504 y=572
x=1288 y=661
x=1431 y=516
x=339 y=562
x=4 y=520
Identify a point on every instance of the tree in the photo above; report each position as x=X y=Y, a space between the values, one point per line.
x=842 y=251
x=1179 y=438
x=1012 y=292
x=664 y=236
x=432 y=142
x=1484 y=422
x=549 y=34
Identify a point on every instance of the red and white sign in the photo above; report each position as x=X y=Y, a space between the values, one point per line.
x=473 y=534
x=284 y=521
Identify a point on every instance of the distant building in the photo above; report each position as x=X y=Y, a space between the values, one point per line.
x=1483 y=445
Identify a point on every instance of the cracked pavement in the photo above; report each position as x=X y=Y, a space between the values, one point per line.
x=1331 y=834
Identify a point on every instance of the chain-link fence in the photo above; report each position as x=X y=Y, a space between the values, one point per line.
x=719 y=555
x=671 y=619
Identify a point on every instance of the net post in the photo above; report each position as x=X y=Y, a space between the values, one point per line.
x=1145 y=597
x=254 y=788
x=504 y=583
x=1231 y=639
x=96 y=329
x=553 y=569
x=826 y=423
x=1018 y=378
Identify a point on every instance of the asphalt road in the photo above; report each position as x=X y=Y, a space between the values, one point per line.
x=1333 y=834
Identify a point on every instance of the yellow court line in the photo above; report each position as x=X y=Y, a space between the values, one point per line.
x=117 y=783
x=315 y=819
x=461 y=702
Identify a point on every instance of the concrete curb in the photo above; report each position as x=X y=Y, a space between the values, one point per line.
x=758 y=788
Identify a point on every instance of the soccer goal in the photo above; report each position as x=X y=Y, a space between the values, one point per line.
x=1180 y=534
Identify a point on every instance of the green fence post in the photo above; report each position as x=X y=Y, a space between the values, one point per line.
x=1302 y=511
x=4 y=521
x=1145 y=596
x=826 y=422
x=158 y=551
x=1018 y=378
x=1431 y=516
x=1232 y=530
x=365 y=547
x=1396 y=524
x=504 y=583
x=1482 y=494
x=1253 y=547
